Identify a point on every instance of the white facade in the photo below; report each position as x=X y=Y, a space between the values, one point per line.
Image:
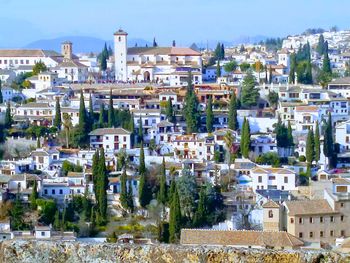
x=273 y=178
x=111 y=139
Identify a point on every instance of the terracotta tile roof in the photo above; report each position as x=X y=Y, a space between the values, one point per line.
x=270 y=204
x=239 y=238
x=309 y=207
x=28 y=53
x=306 y=108
x=272 y=170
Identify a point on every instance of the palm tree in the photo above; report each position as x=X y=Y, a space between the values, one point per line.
x=67 y=124
x=229 y=140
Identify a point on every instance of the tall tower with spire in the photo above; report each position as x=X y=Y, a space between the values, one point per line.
x=120 y=53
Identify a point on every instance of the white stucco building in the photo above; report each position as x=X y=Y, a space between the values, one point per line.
x=167 y=65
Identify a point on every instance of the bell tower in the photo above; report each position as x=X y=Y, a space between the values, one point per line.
x=120 y=55
x=67 y=50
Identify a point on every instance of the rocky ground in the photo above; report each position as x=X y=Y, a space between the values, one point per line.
x=69 y=252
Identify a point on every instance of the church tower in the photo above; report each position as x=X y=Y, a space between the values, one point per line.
x=67 y=50
x=120 y=53
x=272 y=216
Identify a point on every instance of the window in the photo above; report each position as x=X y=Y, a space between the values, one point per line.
x=341 y=204
x=53 y=191
x=331 y=233
x=342 y=218
x=300 y=234
x=311 y=220
x=270 y=214
x=311 y=234
x=45 y=191
x=286 y=180
x=292 y=220
x=42 y=234
x=61 y=191
x=332 y=219
x=300 y=220
x=260 y=179
x=321 y=219
x=272 y=177
x=321 y=233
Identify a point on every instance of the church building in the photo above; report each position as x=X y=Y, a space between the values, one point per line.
x=163 y=65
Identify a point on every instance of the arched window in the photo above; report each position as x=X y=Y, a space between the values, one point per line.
x=119 y=39
x=270 y=214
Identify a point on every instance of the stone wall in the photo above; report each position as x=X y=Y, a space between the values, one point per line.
x=69 y=252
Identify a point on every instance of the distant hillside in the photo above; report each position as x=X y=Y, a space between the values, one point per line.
x=81 y=44
x=237 y=41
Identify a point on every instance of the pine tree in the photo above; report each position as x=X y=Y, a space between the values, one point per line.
x=250 y=94
x=232 y=114
x=170 y=111
x=317 y=143
x=1 y=97
x=111 y=119
x=58 y=121
x=101 y=119
x=140 y=132
x=145 y=195
x=218 y=70
x=175 y=218
x=162 y=194
x=34 y=196
x=217 y=52
x=8 y=116
x=123 y=197
x=201 y=212
x=210 y=116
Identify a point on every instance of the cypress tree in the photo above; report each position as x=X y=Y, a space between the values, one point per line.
x=320 y=45
x=293 y=67
x=131 y=127
x=91 y=112
x=56 y=222
x=175 y=218
x=111 y=119
x=218 y=69
x=317 y=143
x=326 y=67
x=82 y=132
x=232 y=114
x=103 y=58
x=201 y=212
x=58 y=121
x=210 y=116
x=145 y=194
x=190 y=110
x=1 y=97
x=217 y=52
x=101 y=119
x=290 y=135
x=243 y=136
x=130 y=200
x=245 y=145
x=162 y=195
x=328 y=146
x=222 y=52
x=102 y=185
x=34 y=195
x=123 y=190
x=140 y=132
x=309 y=151
x=8 y=116
x=95 y=162
x=171 y=191
x=170 y=111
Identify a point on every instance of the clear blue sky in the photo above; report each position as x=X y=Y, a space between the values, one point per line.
x=23 y=21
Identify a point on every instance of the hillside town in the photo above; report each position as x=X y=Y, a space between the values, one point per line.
x=244 y=146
